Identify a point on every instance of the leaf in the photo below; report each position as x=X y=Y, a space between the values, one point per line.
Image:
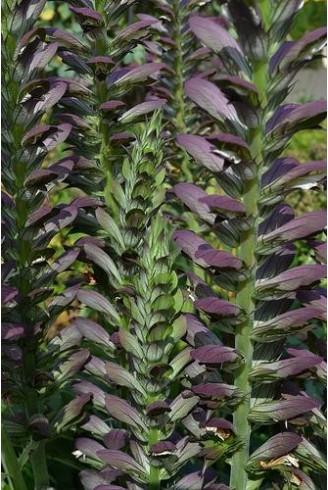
x=316 y=298
x=41 y=58
x=50 y=94
x=111 y=105
x=100 y=258
x=249 y=26
x=202 y=151
x=277 y=446
x=302 y=480
x=72 y=365
x=65 y=38
x=292 y=117
x=276 y=411
x=187 y=450
x=121 y=461
x=109 y=225
x=134 y=31
x=215 y=390
x=65 y=260
x=214 y=354
x=217 y=306
x=297 y=228
x=96 y=367
x=121 y=410
x=190 y=195
x=116 y=439
x=180 y=361
x=96 y=426
x=239 y=84
x=291 y=280
x=283 y=325
x=182 y=405
x=96 y=301
x=193 y=481
x=92 y=331
x=140 y=456
x=85 y=387
x=284 y=175
x=210 y=98
x=139 y=74
x=63 y=219
x=280 y=215
x=70 y=412
x=291 y=54
x=67 y=338
x=141 y=109
x=274 y=264
x=89 y=447
x=191 y=243
x=219 y=259
x=87 y=13
x=321 y=253
x=219 y=40
x=224 y=205
x=311 y=456
x=11 y=331
x=130 y=343
x=122 y=377
x=197 y=333
x=272 y=371
x=90 y=479
x=26 y=13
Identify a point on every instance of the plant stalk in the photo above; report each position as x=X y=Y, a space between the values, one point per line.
x=179 y=92
x=39 y=467
x=245 y=292
x=154 y=474
x=10 y=463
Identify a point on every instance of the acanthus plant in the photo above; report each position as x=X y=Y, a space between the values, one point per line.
x=140 y=441
x=173 y=399
x=35 y=372
x=176 y=47
x=270 y=300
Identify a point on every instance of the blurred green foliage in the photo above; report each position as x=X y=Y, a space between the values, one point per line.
x=311 y=16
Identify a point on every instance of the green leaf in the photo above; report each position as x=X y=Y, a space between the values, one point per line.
x=130 y=343
x=109 y=225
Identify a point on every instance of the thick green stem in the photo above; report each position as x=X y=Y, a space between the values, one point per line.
x=154 y=475
x=244 y=296
x=154 y=478
x=243 y=342
x=39 y=467
x=10 y=463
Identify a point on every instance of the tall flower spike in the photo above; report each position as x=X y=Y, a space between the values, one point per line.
x=102 y=104
x=139 y=382
x=263 y=311
x=176 y=46
x=30 y=372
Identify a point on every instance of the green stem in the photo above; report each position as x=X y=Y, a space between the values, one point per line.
x=10 y=463
x=244 y=344
x=154 y=478
x=154 y=474
x=179 y=92
x=245 y=292
x=39 y=467
x=265 y=8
